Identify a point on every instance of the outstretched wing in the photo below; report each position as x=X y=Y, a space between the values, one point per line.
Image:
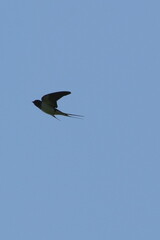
x=52 y=98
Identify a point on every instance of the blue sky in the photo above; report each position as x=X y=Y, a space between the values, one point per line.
x=96 y=178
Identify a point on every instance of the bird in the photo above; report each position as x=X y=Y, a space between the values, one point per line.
x=48 y=104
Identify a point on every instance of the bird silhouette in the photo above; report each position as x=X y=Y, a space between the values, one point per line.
x=48 y=104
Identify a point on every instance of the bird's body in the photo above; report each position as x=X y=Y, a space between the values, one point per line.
x=47 y=108
x=48 y=104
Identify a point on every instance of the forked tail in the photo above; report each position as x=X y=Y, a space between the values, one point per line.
x=74 y=115
x=68 y=114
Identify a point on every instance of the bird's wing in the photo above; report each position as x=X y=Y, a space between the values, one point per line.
x=52 y=98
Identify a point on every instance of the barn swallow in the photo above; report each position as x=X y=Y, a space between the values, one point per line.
x=48 y=104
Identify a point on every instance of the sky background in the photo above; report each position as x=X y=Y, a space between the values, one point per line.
x=96 y=178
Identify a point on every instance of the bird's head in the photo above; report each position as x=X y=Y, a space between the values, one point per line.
x=37 y=103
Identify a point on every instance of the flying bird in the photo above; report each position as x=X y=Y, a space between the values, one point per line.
x=48 y=104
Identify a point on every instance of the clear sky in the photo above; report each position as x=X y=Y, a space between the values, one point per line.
x=91 y=179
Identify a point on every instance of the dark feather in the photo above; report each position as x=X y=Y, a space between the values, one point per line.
x=52 y=98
